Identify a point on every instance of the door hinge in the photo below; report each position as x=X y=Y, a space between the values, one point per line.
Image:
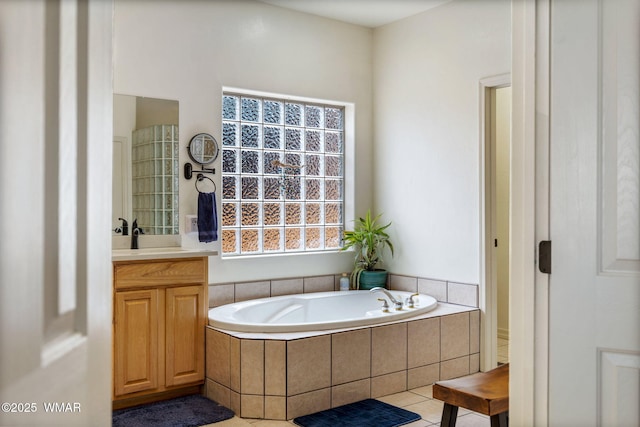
x=544 y=256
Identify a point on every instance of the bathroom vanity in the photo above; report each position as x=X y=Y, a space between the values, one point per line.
x=159 y=315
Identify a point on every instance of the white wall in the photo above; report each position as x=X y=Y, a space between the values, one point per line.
x=427 y=70
x=188 y=50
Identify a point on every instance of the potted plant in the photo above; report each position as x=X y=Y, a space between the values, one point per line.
x=368 y=239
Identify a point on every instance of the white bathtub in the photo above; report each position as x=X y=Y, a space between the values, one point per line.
x=314 y=311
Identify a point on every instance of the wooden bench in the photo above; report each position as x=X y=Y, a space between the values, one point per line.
x=484 y=392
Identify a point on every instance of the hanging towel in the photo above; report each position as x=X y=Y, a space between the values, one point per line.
x=207 y=217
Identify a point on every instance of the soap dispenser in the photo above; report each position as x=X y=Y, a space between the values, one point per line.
x=344 y=282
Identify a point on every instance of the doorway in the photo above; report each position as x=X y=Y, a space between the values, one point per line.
x=495 y=116
x=500 y=150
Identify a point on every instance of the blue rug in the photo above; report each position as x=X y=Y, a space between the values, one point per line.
x=366 y=413
x=187 y=411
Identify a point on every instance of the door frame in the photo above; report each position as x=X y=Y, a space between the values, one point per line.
x=529 y=296
x=488 y=285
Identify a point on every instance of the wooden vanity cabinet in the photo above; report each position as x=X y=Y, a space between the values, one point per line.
x=160 y=312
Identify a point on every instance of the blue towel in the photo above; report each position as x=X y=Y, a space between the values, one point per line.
x=207 y=217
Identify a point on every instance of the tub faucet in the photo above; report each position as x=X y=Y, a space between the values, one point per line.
x=135 y=231
x=397 y=304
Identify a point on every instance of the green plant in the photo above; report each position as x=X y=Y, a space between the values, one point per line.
x=368 y=239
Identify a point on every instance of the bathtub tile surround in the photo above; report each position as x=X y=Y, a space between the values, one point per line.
x=252 y=290
x=287 y=287
x=443 y=291
x=463 y=294
x=282 y=376
x=350 y=359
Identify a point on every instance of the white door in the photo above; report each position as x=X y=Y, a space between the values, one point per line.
x=55 y=170
x=594 y=302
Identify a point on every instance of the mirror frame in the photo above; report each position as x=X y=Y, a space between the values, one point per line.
x=204 y=139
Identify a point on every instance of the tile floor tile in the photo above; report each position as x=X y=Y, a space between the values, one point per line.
x=232 y=422
x=426 y=391
x=402 y=399
x=430 y=410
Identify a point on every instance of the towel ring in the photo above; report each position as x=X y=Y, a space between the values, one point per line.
x=201 y=177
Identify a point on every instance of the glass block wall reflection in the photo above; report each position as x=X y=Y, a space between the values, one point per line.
x=282 y=175
x=155 y=179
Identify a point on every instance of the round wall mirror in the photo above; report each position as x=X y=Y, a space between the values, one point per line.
x=203 y=148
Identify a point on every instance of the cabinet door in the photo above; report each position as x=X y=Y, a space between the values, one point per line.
x=136 y=341
x=185 y=328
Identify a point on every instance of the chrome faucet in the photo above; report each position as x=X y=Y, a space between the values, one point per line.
x=135 y=231
x=397 y=304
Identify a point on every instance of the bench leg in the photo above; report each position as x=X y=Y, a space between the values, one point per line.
x=500 y=420
x=449 y=416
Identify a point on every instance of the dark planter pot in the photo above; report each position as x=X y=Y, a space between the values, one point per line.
x=372 y=279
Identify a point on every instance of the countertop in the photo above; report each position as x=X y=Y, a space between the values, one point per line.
x=158 y=253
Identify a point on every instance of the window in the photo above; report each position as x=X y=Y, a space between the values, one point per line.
x=282 y=175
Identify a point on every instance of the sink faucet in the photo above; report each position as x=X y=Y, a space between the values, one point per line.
x=135 y=231
x=397 y=304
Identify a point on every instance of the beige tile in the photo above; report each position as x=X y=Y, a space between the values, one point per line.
x=388 y=384
x=426 y=391
x=270 y=423
x=454 y=368
x=430 y=410
x=419 y=423
x=232 y=422
x=423 y=376
x=472 y=419
x=275 y=407
x=251 y=406
x=319 y=284
x=403 y=283
x=251 y=367
x=252 y=290
x=474 y=331
x=221 y=295
x=423 y=342
x=454 y=336
x=350 y=356
x=435 y=288
x=218 y=392
x=275 y=369
x=350 y=392
x=402 y=399
x=474 y=363
x=308 y=364
x=234 y=402
x=388 y=349
x=463 y=294
x=217 y=361
x=286 y=287
x=308 y=403
x=234 y=364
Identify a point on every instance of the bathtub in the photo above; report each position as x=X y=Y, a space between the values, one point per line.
x=314 y=311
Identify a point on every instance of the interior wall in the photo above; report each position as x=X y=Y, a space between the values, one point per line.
x=503 y=140
x=189 y=50
x=427 y=70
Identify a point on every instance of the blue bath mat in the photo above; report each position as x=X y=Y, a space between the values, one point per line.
x=187 y=411
x=366 y=413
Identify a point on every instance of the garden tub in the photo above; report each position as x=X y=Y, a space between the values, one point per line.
x=316 y=311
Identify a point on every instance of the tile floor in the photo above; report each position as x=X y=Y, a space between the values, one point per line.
x=418 y=400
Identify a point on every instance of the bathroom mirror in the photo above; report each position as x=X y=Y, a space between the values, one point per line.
x=203 y=148
x=145 y=164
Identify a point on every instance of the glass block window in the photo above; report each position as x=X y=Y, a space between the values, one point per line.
x=282 y=175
